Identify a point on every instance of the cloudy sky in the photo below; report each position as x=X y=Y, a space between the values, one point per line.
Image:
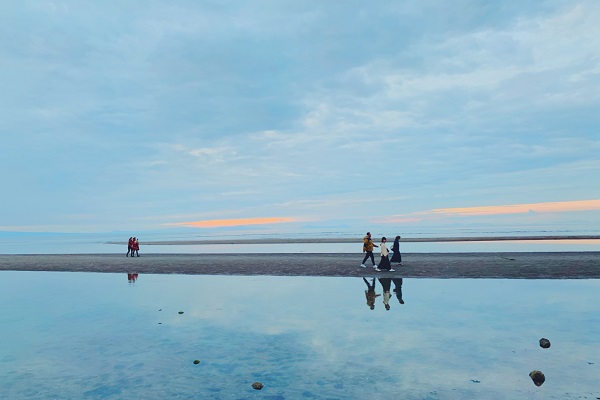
x=300 y=116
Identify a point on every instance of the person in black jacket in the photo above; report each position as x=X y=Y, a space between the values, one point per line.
x=396 y=257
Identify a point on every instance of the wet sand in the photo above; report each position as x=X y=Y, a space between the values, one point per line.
x=551 y=265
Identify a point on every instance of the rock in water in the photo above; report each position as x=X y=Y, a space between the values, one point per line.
x=196 y=361
x=537 y=377
x=257 y=385
x=544 y=343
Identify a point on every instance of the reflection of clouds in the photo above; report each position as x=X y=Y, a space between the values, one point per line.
x=456 y=330
x=318 y=330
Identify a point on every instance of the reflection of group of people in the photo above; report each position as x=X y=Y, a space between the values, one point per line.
x=131 y=278
x=385 y=262
x=133 y=246
x=386 y=284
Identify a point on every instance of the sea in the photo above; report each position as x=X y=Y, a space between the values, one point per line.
x=170 y=243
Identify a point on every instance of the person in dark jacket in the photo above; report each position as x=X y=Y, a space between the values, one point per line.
x=396 y=257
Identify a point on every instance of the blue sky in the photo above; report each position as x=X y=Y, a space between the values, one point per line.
x=307 y=116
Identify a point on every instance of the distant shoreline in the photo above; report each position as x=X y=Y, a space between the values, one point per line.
x=358 y=240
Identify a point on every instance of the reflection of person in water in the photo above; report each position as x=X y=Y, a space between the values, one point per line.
x=131 y=278
x=370 y=293
x=386 y=284
x=398 y=289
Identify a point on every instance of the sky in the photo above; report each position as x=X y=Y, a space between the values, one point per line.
x=299 y=116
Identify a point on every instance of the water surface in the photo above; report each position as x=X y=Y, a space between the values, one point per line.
x=108 y=336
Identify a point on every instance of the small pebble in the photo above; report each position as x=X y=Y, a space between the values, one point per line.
x=196 y=361
x=257 y=385
x=537 y=377
x=544 y=343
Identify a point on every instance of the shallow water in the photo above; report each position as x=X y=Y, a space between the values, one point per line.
x=104 y=336
x=104 y=244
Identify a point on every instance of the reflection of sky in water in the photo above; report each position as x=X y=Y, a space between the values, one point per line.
x=85 y=335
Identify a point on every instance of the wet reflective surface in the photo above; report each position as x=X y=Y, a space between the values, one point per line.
x=121 y=336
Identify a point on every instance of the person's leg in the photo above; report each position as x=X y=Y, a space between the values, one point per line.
x=366 y=257
x=372 y=257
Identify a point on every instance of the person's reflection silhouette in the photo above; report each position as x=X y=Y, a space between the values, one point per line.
x=131 y=278
x=398 y=289
x=386 y=284
x=370 y=293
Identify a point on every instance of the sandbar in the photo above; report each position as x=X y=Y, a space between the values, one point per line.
x=517 y=265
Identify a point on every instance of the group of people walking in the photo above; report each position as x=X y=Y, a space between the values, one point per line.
x=384 y=262
x=133 y=246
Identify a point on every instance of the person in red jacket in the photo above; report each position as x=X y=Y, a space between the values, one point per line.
x=129 y=247
x=135 y=248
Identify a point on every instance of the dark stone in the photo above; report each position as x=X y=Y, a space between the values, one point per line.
x=537 y=377
x=544 y=343
x=180 y=312
x=196 y=361
x=257 y=385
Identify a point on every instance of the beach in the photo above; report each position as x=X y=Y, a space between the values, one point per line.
x=517 y=265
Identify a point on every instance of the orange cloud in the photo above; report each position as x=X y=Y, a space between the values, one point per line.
x=219 y=223
x=553 y=207
x=563 y=206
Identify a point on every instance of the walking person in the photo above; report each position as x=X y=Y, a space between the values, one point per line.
x=368 y=249
x=396 y=257
x=129 y=247
x=384 y=263
x=135 y=247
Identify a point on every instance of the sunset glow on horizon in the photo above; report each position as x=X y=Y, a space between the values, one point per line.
x=563 y=206
x=220 y=223
x=549 y=207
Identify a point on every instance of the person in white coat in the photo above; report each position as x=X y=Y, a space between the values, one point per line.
x=384 y=264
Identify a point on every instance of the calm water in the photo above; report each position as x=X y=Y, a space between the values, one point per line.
x=12 y=243
x=104 y=336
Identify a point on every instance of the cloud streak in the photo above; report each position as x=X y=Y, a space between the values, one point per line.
x=221 y=223
x=550 y=207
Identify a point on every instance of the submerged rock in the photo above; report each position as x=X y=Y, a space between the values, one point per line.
x=537 y=377
x=544 y=343
x=257 y=385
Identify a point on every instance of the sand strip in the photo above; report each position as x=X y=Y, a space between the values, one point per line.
x=564 y=265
